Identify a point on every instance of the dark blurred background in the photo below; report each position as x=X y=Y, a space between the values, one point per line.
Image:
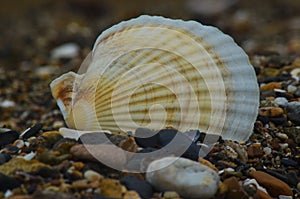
x=42 y=39
x=31 y=29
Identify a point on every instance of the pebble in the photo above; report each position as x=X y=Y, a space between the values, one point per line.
x=7 y=104
x=15 y=164
x=234 y=188
x=267 y=150
x=188 y=178
x=285 y=197
x=32 y=131
x=271 y=86
x=146 y=138
x=112 y=188
x=291 y=88
x=295 y=118
x=297 y=93
x=91 y=175
x=282 y=136
x=4 y=158
x=67 y=51
x=274 y=186
x=263 y=195
x=142 y=187
x=270 y=111
x=170 y=195
x=131 y=195
x=281 y=101
x=255 y=151
x=109 y=155
x=289 y=162
x=293 y=107
x=8 y=137
x=8 y=182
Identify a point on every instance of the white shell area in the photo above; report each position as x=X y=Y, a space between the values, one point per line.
x=154 y=72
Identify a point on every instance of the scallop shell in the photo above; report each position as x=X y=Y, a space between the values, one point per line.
x=155 y=72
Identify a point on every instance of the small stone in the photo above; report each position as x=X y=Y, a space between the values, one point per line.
x=295 y=118
x=170 y=195
x=291 y=88
x=281 y=101
x=188 y=178
x=109 y=155
x=91 y=175
x=270 y=111
x=293 y=107
x=7 y=104
x=8 y=182
x=263 y=195
x=80 y=184
x=207 y=163
x=289 y=162
x=271 y=86
x=255 y=151
x=112 y=188
x=67 y=51
x=274 y=186
x=48 y=194
x=147 y=138
x=32 y=131
x=285 y=197
x=234 y=188
x=16 y=164
x=44 y=72
x=142 y=187
x=131 y=195
x=4 y=158
x=282 y=136
x=297 y=93
x=267 y=150
x=8 y=137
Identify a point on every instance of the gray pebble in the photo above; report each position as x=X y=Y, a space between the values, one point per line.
x=293 y=107
x=188 y=178
x=281 y=101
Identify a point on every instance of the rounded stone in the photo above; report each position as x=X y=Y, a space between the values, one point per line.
x=293 y=107
x=281 y=101
x=188 y=178
x=270 y=111
x=274 y=186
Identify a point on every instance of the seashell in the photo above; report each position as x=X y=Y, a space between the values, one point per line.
x=155 y=72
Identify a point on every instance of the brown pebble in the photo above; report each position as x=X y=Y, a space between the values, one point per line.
x=234 y=188
x=80 y=184
x=263 y=195
x=207 y=163
x=270 y=111
x=111 y=188
x=107 y=154
x=254 y=151
x=274 y=186
x=271 y=86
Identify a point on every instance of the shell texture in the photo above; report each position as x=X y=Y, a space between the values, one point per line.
x=153 y=72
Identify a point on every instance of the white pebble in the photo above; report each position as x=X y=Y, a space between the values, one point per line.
x=7 y=104
x=188 y=178
x=249 y=181
x=92 y=176
x=285 y=197
x=282 y=136
x=291 y=88
x=68 y=50
x=267 y=150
